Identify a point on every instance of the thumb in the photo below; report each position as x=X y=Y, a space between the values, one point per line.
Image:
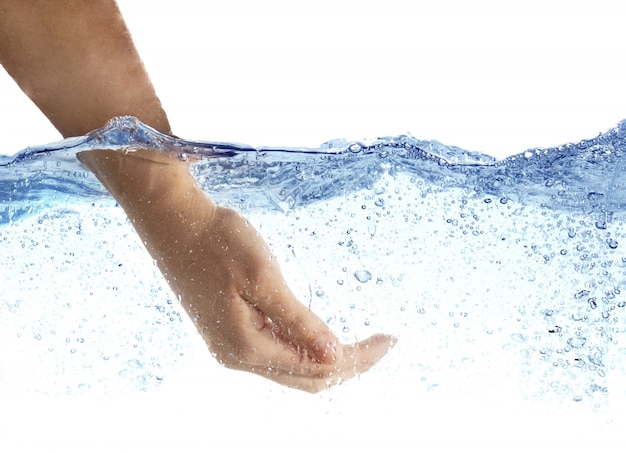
x=296 y=324
x=307 y=332
x=266 y=289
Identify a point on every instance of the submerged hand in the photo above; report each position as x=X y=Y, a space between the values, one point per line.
x=228 y=280
x=253 y=322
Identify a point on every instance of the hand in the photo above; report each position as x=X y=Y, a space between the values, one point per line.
x=229 y=282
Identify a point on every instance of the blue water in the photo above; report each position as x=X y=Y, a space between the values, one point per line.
x=488 y=270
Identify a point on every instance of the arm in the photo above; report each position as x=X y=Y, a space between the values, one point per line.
x=77 y=62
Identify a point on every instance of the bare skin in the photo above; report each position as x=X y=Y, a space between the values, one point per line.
x=77 y=62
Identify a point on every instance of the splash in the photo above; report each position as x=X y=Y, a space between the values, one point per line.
x=487 y=270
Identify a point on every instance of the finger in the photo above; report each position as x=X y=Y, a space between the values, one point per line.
x=295 y=322
x=357 y=359
x=264 y=287
x=361 y=356
x=282 y=363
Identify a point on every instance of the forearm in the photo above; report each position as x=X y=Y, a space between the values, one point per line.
x=160 y=197
x=76 y=60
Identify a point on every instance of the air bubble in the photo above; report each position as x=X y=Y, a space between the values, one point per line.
x=134 y=363
x=363 y=276
x=355 y=148
x=577 y=342
x=371 y=228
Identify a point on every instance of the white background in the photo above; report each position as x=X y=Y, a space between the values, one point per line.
x=493 y=76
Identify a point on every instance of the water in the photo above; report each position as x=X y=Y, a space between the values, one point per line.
x=500 y=277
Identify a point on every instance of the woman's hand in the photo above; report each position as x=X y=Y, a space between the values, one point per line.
x=228 y=280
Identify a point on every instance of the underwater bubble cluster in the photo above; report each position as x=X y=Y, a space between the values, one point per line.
x=81 y=300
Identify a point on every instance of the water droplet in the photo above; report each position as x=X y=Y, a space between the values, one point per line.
x=355 y=148
x=612 y=243
x=371 y=228
x=134 y=363
x=581 y=293
x=340 y=282
x=577 y=342
x=363 y=276
x=594 y=196
x=319 y=293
